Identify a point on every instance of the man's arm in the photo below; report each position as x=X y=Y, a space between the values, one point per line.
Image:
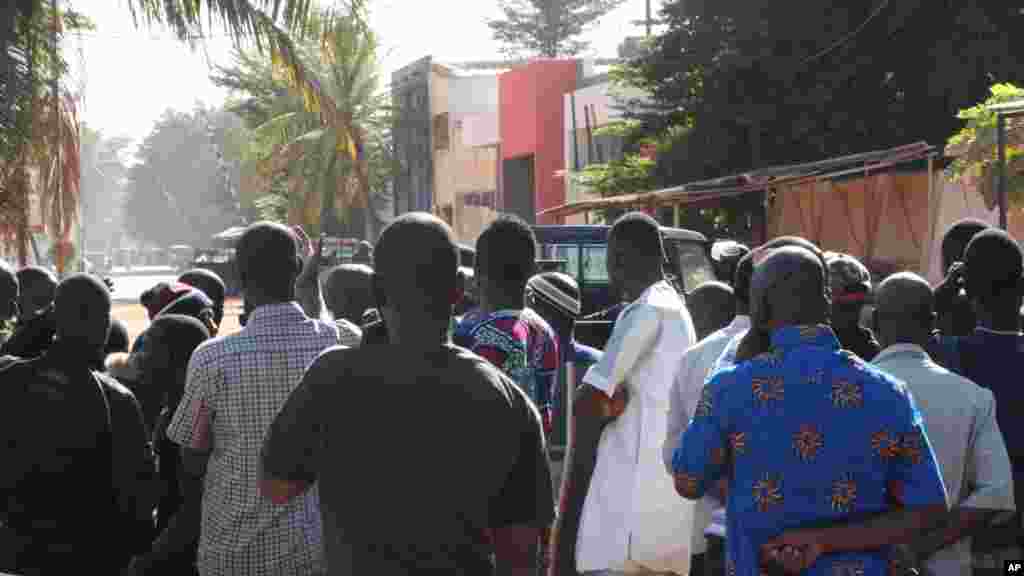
x=291 y=448
x=134 y=464
x=917 y=505
x=525 y=508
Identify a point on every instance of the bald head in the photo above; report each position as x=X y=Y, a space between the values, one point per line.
x=82 y=312
x=904 y=309
x=348 y=291
x=38 y=287
x=788 y=289
x=268 y=262
x=8 y=291
x=713 y=306
x=416 y=267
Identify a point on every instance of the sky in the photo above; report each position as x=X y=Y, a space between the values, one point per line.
x=129 y=76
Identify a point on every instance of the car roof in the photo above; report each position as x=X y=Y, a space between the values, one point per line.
x=599 y=233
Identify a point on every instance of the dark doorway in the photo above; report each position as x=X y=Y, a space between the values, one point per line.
x=518 y=190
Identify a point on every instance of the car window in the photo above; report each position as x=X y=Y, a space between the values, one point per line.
x=569 y=253
x=694 y=267
x=594 y=269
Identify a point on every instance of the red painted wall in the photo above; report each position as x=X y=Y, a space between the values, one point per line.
x=531 y=117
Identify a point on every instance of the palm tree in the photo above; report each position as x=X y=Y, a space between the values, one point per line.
x=322 y=133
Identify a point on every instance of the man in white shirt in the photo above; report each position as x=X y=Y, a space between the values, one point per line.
x=694 y=368
x=960 y=417
x=632 y=518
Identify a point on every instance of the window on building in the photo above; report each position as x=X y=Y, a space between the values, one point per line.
x=441 y=136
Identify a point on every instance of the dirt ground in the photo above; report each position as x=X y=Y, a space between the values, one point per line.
x=134 y=317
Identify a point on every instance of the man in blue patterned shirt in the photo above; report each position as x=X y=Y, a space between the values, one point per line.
x=807 y=434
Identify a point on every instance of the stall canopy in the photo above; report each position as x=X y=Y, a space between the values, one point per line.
x=754 y=181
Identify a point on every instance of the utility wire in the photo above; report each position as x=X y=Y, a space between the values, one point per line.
x=850 y=36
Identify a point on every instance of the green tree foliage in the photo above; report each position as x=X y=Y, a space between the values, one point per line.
x=175 y=194
x=975 y=143
x=306 y=152
x=548 y=28
x=761 y=83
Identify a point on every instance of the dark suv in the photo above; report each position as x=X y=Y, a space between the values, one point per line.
x=583 y=250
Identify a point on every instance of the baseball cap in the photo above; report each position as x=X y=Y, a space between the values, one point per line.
x=850 y=280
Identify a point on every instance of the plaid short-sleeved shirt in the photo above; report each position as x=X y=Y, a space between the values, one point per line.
x=236 y=386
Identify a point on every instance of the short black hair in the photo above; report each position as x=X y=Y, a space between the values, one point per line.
x=416 y=262
x=955 y=240
x=643 y=232
x=741 y=279
x=801 y=242
x=37 y=284
x=117 y=338
x=267 y=259
x=82 y=310
x=507 y=249
x=995 y=264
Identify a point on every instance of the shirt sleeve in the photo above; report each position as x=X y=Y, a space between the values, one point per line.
x=989 y=475
x=527 y=497
x=678 y=412
x=914 y=479
x=294 y=443
x=700 y=459
x=192 y=424
x=135 y=465
x=635 y=332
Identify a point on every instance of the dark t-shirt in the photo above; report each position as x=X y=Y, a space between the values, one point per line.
x=417 y=455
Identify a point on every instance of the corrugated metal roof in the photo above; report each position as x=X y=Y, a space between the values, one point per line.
x=755 y=181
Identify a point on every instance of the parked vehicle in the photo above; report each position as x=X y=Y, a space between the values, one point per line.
x=584 y=249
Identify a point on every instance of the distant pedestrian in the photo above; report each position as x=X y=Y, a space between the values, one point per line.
x=725 y=257
x=504 y=332
x=712 y=306
x=955 y=315
x=36 y=327
x=63 y=425
x=9 y=291
x=624 y=528
x=348 y=294
x=806 y=434
x=212 y=285
x=235 y=387
x=695 y=366
x=960 y=417
x=851 y=291
x=474 y=439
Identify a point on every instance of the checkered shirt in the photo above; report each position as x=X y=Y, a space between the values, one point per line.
x=236 y=386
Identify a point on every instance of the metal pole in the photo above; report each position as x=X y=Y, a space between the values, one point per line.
x=1001 y=186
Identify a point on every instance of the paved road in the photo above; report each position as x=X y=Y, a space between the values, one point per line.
x=130 y=288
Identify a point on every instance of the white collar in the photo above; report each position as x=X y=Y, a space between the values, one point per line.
x=898 y=349
x=740 y=322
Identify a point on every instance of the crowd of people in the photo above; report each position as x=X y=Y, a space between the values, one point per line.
x=391 y=417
